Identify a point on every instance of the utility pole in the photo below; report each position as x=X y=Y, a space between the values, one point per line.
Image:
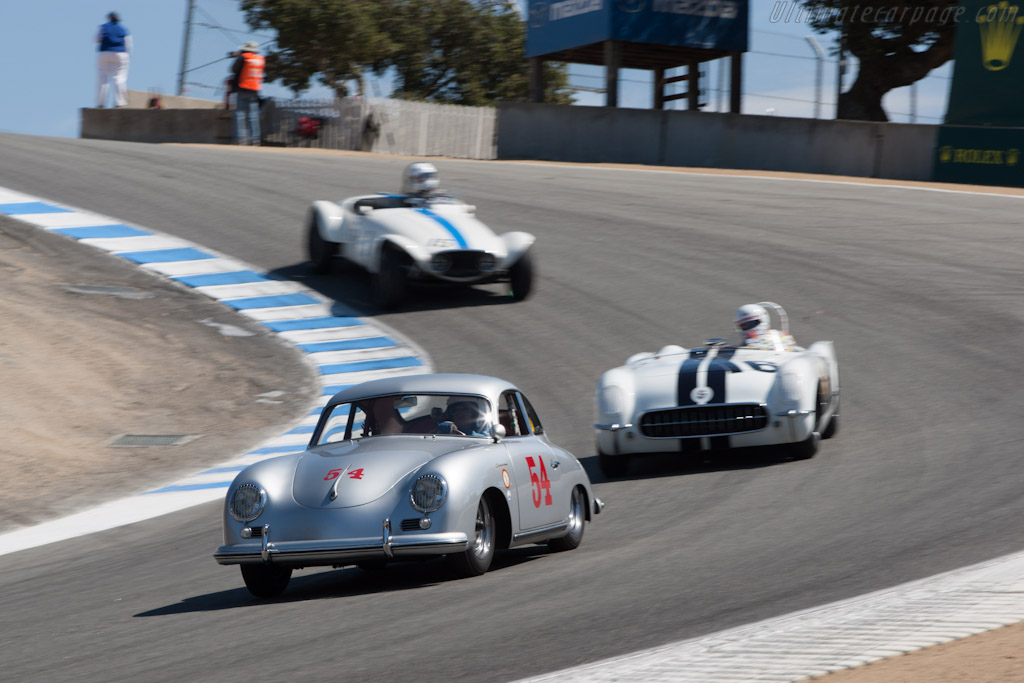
x=184 y=47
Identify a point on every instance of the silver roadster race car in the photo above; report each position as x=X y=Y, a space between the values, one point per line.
x=723 y=395
x=425 y=236
x=404 y=468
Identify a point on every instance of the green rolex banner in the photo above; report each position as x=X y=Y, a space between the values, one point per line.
x=988 y=75
x=980 y=156
x=983 y=139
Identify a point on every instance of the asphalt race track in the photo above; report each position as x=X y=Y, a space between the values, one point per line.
x=920 y=290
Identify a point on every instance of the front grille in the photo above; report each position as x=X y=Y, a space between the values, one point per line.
x=712 y=420
x=411 y=524
x=464 y=263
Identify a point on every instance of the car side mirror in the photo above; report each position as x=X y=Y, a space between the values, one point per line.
x=497 y=432
x=364 y=209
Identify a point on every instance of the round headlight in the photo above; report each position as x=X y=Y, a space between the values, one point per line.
x=789 y=386
x=612 y=401
x=247 y=502
x=487 y=263
x=440 y=263
x=429 y=493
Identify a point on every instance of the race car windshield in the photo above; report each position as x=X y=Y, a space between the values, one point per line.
x=444 y=414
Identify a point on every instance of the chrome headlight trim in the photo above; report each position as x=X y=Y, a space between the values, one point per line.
x=428 y=493
x=247 y=502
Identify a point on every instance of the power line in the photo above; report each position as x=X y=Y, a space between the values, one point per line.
x=778 y=97
x=230 y=34
x=203 y=66
x=780 y=54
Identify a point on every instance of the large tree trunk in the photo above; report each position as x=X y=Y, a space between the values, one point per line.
x=878 y=74
x=863 y=101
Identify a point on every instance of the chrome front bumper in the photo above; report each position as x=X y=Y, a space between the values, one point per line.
x=337 y=551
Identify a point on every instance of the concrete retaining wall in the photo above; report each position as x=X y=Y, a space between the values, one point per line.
x=138 y=99
x=600 y=134
x=681 y=138
x=211 y=126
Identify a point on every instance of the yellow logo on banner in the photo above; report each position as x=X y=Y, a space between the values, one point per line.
x=993 y=157
x=1000 y=26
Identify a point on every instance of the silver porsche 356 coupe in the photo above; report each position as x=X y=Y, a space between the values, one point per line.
x=403 y=468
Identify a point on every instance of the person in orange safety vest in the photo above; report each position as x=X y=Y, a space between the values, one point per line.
x=248 y=79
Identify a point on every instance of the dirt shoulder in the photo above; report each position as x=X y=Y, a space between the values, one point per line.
x=92 y=347
x=992 y=657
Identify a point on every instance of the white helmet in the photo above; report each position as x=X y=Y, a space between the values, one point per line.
x=751 y=320
x=419 y=178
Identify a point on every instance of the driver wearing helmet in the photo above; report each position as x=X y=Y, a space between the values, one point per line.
x=465 y=416
x=420 y=180
x=420 y=183
x=753 y=324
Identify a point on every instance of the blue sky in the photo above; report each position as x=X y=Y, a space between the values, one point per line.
x=48 y=63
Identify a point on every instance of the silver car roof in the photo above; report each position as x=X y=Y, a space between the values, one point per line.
x=449 y=383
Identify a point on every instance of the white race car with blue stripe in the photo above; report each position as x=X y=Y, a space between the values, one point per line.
x=398 y=239
x=716 y=397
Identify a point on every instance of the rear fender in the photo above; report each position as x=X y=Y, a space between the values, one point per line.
x=329 y=217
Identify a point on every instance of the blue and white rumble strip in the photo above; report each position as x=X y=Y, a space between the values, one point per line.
x=344 y=349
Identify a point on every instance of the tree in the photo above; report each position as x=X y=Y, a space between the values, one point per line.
x=336 y=41
x=465 y=52
x=468 y=52
x=896 y=42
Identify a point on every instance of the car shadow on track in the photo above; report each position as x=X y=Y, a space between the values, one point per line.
x=654 y=465
x=352 y=288
x=324 y=584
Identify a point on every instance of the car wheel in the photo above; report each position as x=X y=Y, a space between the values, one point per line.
x=389 y=283
x=577 y=519
x=477 y=559
x=833 y=424
x=521 y=277
x=613 y=465
x=266 y=580
x=806 y=449
x=832 y=429
x=321 y=251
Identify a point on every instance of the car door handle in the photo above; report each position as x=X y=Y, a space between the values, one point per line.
x=554 y=464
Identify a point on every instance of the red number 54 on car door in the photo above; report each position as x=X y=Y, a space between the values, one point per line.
x=539 y=480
